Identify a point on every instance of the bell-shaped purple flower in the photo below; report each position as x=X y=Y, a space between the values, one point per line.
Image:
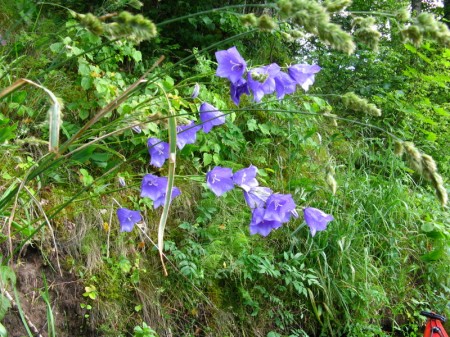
x=280 y=207
x=303 y=74
x=159 y=151
x=257 y=196
x=261 y=81
x=127 y=219
x=154 y=187
x=136 y=129
x=187 y=134
x=210 y=117
x=260 y=225
x=122 y=182
x=231 y=64
x=220 y=180
x=316 y=219
x=284 y=85
x=160 y=201
x=195 y=91
x=237 y=89
x=246 y=178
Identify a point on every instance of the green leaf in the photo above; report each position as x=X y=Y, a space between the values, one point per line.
x=137 y=56
x=83 y=114
x=86 y=178
x=56 y=47
x=7 y=132
x=252 y=124
x=7 y=275
x=264 y=129
x=84 y=69
x=124 y=265
x=168 y=83
x=410 y=48
x=3 y=332
x=19 y=97
x=86 y=82
x=434 y=255
x=207 y=159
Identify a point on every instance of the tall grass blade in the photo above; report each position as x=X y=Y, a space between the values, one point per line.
x=170 y=178
x=54 y=111
x=50 y=317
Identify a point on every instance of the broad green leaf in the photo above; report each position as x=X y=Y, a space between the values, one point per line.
x=252 y=124
x=207 y=159
x=137 y=56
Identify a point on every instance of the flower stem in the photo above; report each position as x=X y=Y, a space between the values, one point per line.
x=270 y=5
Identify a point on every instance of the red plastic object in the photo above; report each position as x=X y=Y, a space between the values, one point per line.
x=434 y=327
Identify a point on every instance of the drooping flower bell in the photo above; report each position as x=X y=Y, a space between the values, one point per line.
x=316 y=219
x=127 y=219
x=237 y=89
x=257 y=196
x=261 y=80
x=154 y=187
x=159 y=151
x=231 y=65
x=220 y=180
x=195 y=91
x=304 y=74
x=246 y=178
x=260 y=224
x=280 y=207
x=187 y=134
x=284 y=85
x=210 y=117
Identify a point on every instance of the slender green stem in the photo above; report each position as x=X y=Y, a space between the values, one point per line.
x=270 y=5
x=373 y=13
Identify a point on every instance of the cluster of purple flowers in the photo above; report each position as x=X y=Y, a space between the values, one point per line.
x=269 y=210
x=154 y=187
x=186 y=134
x=262 y=80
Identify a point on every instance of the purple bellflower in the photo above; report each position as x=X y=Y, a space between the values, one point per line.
x=261 y=81
x=246 y=178
x=257 y=196
x=260 y=224
x=187 y=134
x=316 y=219
x=195 y=91
x=159 y=151
x=210 y=117
x=154 y=187
x=220 y=180
x=122 y=182
x=303 y=74
x=160 y=201
x=237 y=89
x=136 y=129
x=231 y=65
x=284 y=84
x=280 y=207
x=127 y=219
